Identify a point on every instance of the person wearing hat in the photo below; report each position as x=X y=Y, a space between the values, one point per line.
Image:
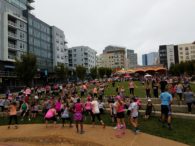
x=149 y=108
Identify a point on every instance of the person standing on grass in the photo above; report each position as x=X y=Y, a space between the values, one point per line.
x=166 y=101
x=122 y=92
x=189 y=98
x=58 y=107
x=133 y=108
x=163 y=84
x=179 y=91
x=78 y=116
x=131 y=87
x=35 y=110
x=121 y=126
x=155 y=88
x=88 y=107
x=96 y=112
x=95 y=91
x=147 y=88
x=13 y=114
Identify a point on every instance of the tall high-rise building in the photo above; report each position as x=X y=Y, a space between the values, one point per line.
x=13 y=30
x=60 y=49
x=82 y=55
x=144 y=59
x=150 y=58
x=168 y=55
x=131 y=58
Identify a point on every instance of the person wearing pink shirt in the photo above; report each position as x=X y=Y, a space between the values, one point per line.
x=78 y=116
x=58 y=107
x=120 y=113
x=51 y=116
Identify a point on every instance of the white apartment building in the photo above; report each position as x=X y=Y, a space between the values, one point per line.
x=82 y=55
x=186 y=52
x=13 y=29
x=60 y=49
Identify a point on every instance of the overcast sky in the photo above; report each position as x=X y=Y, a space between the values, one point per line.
x=141 y=25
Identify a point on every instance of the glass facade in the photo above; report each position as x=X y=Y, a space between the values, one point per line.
x=40 y=42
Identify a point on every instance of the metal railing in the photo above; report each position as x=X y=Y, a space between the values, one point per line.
x=12 y=34
x=7 y=74
x=12 y=46
x=12 y=23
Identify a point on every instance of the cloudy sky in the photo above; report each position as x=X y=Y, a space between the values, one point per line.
x=141 y=25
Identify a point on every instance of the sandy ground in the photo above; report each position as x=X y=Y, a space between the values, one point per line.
x=39 y=135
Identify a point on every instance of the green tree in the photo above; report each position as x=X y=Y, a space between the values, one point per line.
x=26 y=68
x=61 y=72
x=108 y=72
x=81 y=72
x=94 y=72
x=101 y=72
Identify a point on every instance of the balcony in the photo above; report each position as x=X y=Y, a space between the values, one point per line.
x=7 y=74
x=10 y=23
x=12 y=57
x=12 y=35
x=31 y=1
x=30 y=7
x=12 y=47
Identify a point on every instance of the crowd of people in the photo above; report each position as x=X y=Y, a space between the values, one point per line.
x=79 y=102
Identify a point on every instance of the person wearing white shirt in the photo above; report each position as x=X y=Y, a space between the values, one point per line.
x=96 y=112
x=133 y=107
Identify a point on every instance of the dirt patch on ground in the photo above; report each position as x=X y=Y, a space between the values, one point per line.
x=45 y=141
x=38 y=135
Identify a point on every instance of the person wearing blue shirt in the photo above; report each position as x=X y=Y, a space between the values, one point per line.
x=166 y=100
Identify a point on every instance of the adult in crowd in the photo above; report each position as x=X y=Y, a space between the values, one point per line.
x=96 y=112
x=131 y=87
x=166 y=101
x=189 y=99
x=13 y=114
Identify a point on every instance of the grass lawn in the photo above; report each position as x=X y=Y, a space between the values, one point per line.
x=183 y=130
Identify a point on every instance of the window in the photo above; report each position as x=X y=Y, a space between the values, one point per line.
x=186 y=48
